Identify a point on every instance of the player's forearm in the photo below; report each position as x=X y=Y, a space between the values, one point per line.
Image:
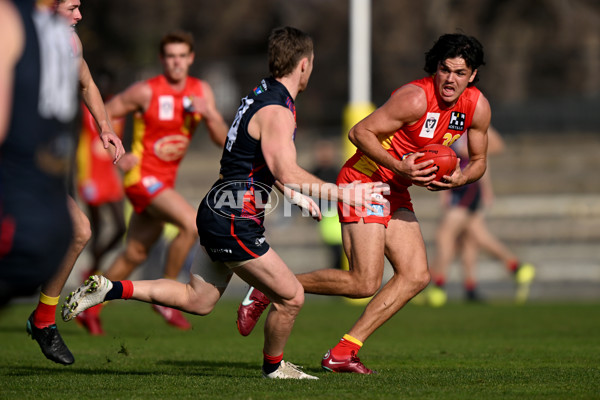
x=217 y=131
x=94 y=103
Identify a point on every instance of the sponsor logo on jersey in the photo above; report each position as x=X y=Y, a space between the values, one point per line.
x=172 y=147
x=151 y=184
x=457 y=121
x=430 y=124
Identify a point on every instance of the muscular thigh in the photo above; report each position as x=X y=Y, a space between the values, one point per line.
x=404 y=246
x=271 y=276
x=364 y=247
x=170 y=206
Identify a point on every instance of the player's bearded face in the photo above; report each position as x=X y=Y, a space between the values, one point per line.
x=452 y=78
x=177 y=60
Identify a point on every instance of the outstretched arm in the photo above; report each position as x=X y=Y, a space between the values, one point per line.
x=274 y=126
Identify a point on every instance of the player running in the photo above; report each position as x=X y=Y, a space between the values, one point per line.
x=436 y=109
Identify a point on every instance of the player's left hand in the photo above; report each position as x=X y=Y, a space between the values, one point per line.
x=449 y=181
x=109 y=138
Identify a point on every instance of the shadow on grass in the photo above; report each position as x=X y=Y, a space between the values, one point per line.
x=198 y=368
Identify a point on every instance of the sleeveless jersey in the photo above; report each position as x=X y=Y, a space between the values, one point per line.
x=163 y=132
x=35 y=227
x=98 y=179
x=243 y=164
x=438 y=125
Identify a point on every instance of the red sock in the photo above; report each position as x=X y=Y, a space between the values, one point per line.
x=470 y=284
x=44 y=314
x=127 y=289
x=439 y=281
x=513 y=265
x=346 y=346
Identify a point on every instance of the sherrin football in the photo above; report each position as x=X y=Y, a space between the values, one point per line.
x=444 y=158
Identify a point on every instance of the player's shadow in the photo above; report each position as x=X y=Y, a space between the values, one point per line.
x=213 y=368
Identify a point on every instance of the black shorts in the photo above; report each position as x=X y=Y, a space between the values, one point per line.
x=467 y=196
x=35 y=232
x=230 y=238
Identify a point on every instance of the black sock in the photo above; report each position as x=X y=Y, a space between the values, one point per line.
x=116 y=292
x=268 y=367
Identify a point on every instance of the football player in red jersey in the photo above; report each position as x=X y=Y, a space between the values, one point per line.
x=436 y=109
x=167 y=108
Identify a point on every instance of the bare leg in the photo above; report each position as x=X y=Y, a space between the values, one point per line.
x=144 y=231
x=363 y=278
x=405 y=249
x=196 y=297
x=170 y=206
x=270 y=275
x=81 y=235
x=100 y=250
x=478 y=230
x=452 y=225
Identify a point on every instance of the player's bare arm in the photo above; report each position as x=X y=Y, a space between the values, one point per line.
x=217 y=129
x=93 y=101
x=275 y=125
x=406 y=106
x=11 y=47
x=477 y=143
x=135 y=98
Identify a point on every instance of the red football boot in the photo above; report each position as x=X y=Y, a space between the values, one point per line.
x=250 y=310
x=350 y=364
x=173 y=317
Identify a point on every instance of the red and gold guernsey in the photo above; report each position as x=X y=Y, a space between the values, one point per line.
x=98 y=179
x=161 y=136
x=438 y=125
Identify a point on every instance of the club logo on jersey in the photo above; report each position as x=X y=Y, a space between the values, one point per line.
x=166 y=108
x=171 y=148
x=188 y=105
x=457 y=121
x=430 y=124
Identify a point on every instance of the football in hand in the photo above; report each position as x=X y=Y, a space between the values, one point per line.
x=444 y=158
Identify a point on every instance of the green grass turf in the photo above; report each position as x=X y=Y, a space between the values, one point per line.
x=460 y=351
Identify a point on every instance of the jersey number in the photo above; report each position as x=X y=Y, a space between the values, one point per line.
x=233 y=131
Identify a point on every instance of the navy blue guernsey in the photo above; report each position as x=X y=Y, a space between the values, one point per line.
x=242 y=157
x=243 y=166
x=35 y=226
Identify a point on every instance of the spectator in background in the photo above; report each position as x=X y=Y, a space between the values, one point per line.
x=463 y=229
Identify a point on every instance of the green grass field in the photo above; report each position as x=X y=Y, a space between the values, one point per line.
x=461 y=351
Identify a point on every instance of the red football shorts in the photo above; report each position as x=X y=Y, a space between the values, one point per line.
x=399 y=197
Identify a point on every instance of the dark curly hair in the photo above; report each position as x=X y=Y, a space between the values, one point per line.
x=453 y=45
